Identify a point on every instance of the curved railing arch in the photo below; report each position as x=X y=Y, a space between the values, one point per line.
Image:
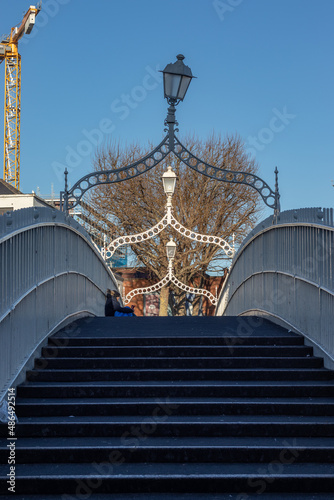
x=285 y=272
x=54 y=274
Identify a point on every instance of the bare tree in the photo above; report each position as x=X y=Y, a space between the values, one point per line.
x=200 y=204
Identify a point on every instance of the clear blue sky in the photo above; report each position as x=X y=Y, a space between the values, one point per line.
x=264 y=70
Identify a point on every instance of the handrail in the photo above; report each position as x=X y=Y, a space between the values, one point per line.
x=285 y=272
x=51 y=272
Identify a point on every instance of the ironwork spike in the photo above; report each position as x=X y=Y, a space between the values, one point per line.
x=276 y=180
x=66 y=191
x=66 y=184
x=277 y=197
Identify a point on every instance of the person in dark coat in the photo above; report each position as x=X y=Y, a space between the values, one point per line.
x=112 y=305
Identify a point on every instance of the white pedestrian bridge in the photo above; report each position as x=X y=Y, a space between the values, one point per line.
x=52 y=274
x=284 y=271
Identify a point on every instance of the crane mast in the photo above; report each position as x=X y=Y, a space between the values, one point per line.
x=12 y=127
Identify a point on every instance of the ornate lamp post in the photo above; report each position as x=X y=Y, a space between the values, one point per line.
x=171 y=249
x=170 y=278
x=169 y=182
x=177 y=78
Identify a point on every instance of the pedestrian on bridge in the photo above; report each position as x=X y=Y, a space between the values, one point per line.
x=114 y=308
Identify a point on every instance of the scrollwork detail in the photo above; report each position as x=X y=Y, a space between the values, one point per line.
x=93 y=179
x=167 y=279
x=223 y=175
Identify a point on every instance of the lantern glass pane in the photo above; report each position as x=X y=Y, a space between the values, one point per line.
x=169 y=185
x=183 y=87
x=170 y=252
x=172 y=83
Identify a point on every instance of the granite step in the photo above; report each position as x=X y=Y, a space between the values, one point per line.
x=121 y=477
x=174 y=374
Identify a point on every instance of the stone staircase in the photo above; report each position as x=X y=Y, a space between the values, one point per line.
x=174 y=408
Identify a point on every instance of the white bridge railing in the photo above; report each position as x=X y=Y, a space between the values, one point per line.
x=285 y=272
x=50 y=274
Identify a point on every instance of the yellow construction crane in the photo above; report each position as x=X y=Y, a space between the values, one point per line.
x=9 y=53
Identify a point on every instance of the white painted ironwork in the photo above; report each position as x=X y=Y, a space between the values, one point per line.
x=109 y=250
x=202 y=238
x=167 y=279
x=148 y=289
x=167 y=220
x=196 y=291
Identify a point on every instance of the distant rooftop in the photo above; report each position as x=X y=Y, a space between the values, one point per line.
x=6 y=188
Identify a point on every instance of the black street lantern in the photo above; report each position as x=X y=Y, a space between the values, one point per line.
x=177 y=78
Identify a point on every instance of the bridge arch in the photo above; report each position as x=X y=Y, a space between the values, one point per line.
x=285 y=272
x=51 y=274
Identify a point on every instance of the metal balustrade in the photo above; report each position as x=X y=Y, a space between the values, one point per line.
x=51 y=273
x=285 y=272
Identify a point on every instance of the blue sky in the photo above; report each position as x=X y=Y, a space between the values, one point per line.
x=264 y=70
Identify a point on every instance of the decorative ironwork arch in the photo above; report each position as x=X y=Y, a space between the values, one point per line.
x=169 y=144
x=148 y=289
x=167 y=279
x=167 y=220
x=224 y=175
x=202 y=238
x=108 y=251
x=112 y=176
